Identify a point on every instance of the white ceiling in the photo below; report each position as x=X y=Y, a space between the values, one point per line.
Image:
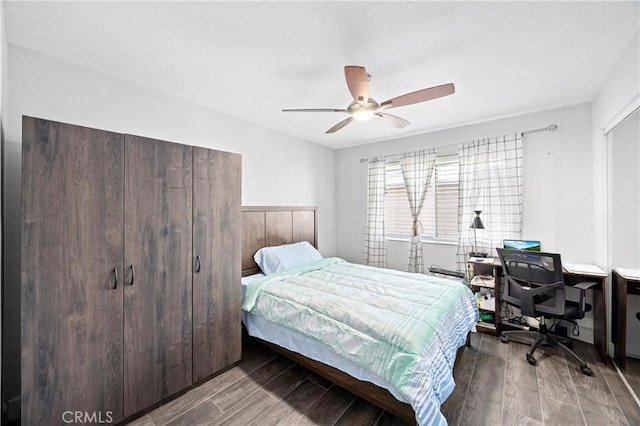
x=252 y=59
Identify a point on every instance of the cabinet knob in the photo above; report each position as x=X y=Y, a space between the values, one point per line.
x=115 y=278
x=197 y=267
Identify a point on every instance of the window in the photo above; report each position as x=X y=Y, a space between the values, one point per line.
x=439 y=216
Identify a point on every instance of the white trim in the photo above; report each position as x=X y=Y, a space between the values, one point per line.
x=625 y=112
x=608 y=201
x=440 y=242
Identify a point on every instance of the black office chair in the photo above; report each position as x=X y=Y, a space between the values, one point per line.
x=535 y=284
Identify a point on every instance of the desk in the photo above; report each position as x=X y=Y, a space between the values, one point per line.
x=623 y=284
x=599 y=309
x=570 y=278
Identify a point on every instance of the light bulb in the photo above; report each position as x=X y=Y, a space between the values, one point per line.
x=363 y=114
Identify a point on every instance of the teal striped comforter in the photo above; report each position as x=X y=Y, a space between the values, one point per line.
x=403 y=327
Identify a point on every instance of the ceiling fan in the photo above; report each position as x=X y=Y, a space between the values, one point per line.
x=364 y=108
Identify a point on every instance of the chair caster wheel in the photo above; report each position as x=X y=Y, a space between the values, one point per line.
x=504 y=339
x=531 y=360
x=586 y=370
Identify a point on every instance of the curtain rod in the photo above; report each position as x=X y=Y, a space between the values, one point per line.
x=549 y=128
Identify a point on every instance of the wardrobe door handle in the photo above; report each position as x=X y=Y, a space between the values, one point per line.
x=197 y=264
x=132 y=276
x=115 y=278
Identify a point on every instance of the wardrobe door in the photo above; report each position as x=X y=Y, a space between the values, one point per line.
x=217 y=252
x=72 y=340
x=157 y=288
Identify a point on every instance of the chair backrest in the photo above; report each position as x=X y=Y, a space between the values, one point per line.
x=524 y=270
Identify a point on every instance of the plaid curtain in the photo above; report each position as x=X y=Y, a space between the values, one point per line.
x=417 y=169
x=491 y=180
x=375 y=250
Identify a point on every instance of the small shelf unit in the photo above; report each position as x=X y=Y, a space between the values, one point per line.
x=484 y=277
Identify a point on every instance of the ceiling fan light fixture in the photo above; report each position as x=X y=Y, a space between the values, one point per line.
x=363 y=114
x=362 y=111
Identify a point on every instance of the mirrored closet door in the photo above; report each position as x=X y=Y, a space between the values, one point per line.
x=623 y=150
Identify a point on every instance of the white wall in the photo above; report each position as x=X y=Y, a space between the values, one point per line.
x=557 y=187
x=276 y=169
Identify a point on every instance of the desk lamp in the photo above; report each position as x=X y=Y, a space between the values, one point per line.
x=476 y=224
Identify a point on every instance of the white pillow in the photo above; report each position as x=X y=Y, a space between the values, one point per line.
x=278 y=258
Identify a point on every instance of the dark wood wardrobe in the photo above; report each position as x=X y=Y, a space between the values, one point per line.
x=130 y=270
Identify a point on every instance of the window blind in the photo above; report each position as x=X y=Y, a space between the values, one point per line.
x=439 y=216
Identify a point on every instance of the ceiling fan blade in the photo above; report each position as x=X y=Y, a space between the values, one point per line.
x=358 y=82
x=314 y=110
x=420 y=96
x=340 y=125
x=392 y=120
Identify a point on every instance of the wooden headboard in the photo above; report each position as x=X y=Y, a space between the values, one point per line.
x=273 y=226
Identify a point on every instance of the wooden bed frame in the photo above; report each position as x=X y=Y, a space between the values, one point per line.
x=270 y=226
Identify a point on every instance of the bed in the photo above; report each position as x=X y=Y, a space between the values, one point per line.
x=402 y=364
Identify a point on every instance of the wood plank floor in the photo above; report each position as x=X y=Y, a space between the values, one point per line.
x=632 y=374
x=494 y=385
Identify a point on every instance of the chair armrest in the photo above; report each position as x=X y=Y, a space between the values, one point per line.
x=528 y=293
x=585 y=285
x=541 y=289
x=582 y=304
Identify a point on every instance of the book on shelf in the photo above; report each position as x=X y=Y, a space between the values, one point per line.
x=487 y=317
x=483 y=281
x=486 y=260
x=485 y=324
